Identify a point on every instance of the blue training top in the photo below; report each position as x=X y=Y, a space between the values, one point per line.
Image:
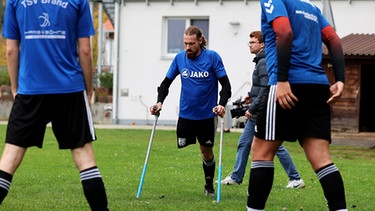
x=306 y=57
x=199 y=83
x=48 y=33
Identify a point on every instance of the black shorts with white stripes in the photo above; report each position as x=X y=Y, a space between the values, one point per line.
x=311 y=116
x=69 y=115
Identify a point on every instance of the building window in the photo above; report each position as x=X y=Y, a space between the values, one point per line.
x=173 y=31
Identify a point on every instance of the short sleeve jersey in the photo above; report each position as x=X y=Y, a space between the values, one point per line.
x=307 y=23
x=48 y=33
x=199 y=83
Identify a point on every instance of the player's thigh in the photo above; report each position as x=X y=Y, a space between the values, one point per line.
x=264 y=149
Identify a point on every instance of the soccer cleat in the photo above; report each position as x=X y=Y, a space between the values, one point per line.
x=229 y=181
x=296 y=184
x=209 y=190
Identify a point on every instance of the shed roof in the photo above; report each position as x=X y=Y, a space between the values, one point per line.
x=357 y=45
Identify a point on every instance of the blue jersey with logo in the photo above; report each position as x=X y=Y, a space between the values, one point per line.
x=199 y=83
x=306 y=57
x=48 y=31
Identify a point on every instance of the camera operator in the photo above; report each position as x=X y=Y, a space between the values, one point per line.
x=240 y=107
x=256 y=99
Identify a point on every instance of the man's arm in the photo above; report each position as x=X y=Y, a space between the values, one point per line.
x=225 y=94
x=226 y=90
x=284 y=42
x=12 y=54
x=85 y=61
x=333 y=43
x=163 y=89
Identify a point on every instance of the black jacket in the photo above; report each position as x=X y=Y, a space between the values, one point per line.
x=259 y=90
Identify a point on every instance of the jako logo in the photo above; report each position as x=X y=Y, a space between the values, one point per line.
x=186 y=74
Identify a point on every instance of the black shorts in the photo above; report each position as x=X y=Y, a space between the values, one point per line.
x=69 y=114
x=190 y=130
x=311 y=117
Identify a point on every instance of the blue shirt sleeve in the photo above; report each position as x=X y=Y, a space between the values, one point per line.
x=10 y=26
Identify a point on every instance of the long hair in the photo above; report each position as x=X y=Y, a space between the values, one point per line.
x=193 y=30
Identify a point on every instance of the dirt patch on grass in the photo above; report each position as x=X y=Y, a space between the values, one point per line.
x=364 y=139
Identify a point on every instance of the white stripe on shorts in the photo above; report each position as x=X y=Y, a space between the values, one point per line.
x=89 y=116
x=271 y=114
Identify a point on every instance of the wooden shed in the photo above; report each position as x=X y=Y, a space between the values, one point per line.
x=355 y=111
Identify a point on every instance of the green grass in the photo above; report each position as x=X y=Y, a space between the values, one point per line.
x=48 y=179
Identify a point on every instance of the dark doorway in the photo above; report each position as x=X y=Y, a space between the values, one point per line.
x=367 y=103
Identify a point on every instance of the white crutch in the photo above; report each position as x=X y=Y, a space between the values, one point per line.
x=148 y=153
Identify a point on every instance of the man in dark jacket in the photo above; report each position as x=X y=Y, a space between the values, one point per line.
x=256 y=98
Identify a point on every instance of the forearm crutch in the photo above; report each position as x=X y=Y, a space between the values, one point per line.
x=220 y=159
x=148 y=153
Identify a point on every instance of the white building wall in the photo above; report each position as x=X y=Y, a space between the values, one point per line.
x=141 y=66
x=355 y=17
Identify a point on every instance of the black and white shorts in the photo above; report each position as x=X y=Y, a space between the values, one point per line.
x=311 y=117
x=190 y=130
x=69 y=114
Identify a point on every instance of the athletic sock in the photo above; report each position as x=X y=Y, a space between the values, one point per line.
x=209 y=171
x=333 y=186
x=93 y=188
x=260 y=184
x=5 y=181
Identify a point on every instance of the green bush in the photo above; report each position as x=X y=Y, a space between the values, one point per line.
x=4 y=78
x=106 y=80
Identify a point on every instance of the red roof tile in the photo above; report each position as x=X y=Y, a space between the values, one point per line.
x=357 y=45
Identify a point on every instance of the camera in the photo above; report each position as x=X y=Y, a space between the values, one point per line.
x=239 y=108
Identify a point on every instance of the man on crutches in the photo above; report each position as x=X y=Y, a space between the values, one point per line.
x=200 y=71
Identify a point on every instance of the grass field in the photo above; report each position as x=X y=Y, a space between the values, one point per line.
x=48 y=179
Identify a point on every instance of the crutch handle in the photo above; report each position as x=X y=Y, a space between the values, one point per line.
x=216 y=109
x=155 y=108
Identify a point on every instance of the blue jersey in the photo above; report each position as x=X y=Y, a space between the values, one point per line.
x=306 y=57
x=48 y=33
x=199 y=83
